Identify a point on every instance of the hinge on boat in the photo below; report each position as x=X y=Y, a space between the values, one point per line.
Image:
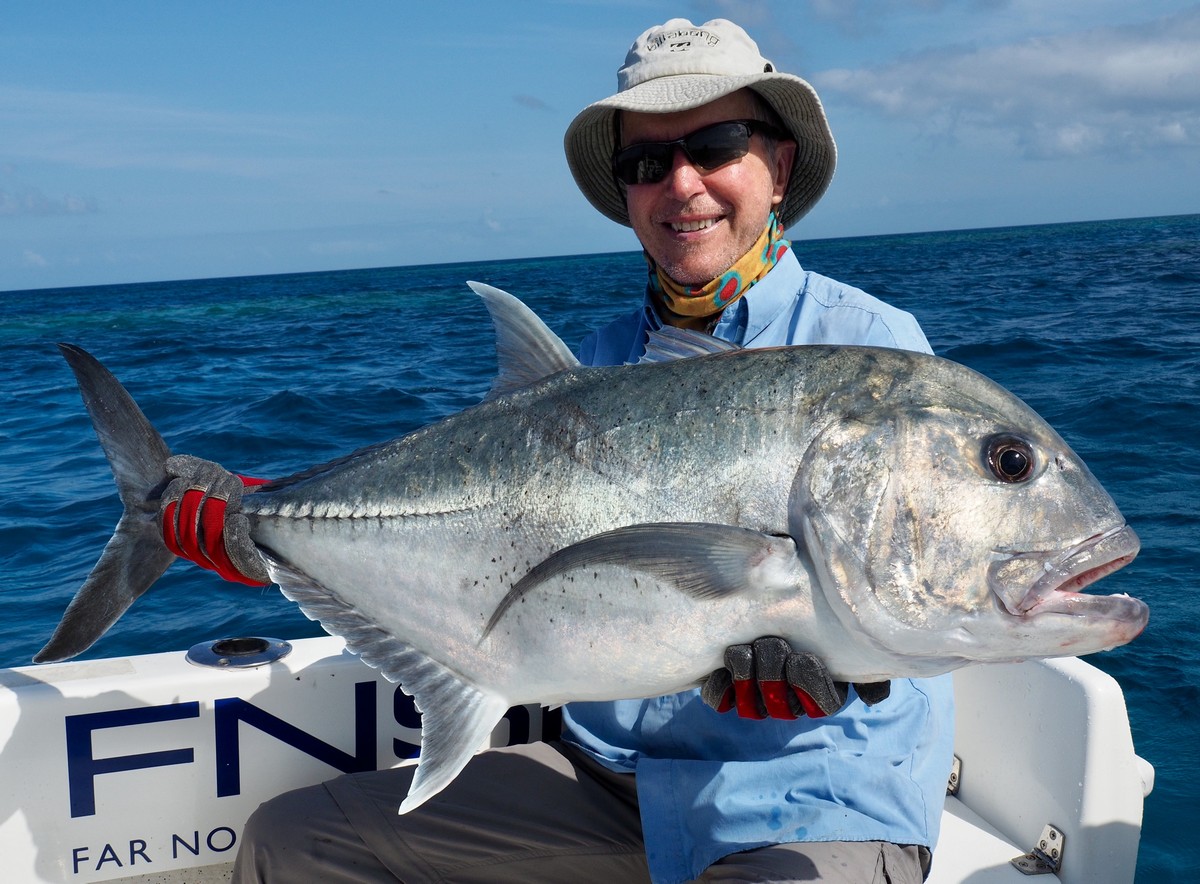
x=1046 y=857
x=955 y=776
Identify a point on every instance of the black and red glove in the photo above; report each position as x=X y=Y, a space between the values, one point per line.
x=767 y=679
x=201 y=518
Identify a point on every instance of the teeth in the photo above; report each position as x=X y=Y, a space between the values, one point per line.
x=692 y=226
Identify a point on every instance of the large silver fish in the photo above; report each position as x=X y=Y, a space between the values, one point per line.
x=604 y=533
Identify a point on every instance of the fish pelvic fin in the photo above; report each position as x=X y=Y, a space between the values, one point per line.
x=703 y=560
x=456 y=715
x=136 y=555
x=526 y=349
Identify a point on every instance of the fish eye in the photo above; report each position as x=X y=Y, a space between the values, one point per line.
x=1010 y=458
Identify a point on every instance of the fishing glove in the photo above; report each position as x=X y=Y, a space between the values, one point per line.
x=767 y=679
x=200 y=514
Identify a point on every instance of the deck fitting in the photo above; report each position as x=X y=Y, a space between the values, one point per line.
x=242 y=652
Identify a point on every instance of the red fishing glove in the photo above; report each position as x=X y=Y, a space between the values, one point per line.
x=200 y=513
x=767 y=679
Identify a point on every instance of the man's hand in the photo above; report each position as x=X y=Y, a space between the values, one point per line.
x=767 y=679
x=200 y=514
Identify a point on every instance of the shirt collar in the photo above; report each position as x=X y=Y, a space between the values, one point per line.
x=751 y=314
x=762 y=303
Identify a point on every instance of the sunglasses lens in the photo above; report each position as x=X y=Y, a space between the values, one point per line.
x=717 y=145
x=709 y=148
x=643 y=163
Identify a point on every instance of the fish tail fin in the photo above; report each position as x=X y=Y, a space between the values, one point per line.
x=136 y=556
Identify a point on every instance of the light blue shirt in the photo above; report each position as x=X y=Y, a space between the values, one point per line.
x=712 y=784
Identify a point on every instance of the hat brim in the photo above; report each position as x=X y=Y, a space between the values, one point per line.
x=591 y=138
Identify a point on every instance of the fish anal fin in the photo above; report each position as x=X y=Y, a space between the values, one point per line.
x=456 y=716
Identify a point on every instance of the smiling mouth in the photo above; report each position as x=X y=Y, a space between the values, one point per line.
x=693 y=226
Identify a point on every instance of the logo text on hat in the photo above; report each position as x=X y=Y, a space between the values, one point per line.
x=681 y=40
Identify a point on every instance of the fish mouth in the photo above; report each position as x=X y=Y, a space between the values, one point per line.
x=1058 y=589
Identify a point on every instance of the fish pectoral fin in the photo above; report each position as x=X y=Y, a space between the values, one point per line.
x=456 y=716
x=703 y=560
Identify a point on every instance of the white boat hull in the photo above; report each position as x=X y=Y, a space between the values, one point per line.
x=149 y=766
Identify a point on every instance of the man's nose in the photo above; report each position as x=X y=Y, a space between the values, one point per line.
x=684 y=178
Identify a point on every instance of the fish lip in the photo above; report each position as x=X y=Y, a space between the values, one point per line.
x=1058 y=589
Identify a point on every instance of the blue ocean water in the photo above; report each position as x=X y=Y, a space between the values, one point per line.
x=1096 y=325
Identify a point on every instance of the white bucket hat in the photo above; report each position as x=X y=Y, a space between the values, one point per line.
x=679 y=66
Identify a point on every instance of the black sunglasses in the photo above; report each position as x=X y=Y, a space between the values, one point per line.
x=709 y=148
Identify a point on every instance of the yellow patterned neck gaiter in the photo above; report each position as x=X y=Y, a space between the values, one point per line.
x=700 y=306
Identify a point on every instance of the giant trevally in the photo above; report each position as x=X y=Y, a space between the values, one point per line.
x=604 y=533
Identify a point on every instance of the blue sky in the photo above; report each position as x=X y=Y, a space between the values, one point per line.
x=169 y=140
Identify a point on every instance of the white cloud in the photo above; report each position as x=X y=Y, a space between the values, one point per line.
x=31 y=201
x=857 y=15
x=1104 y=90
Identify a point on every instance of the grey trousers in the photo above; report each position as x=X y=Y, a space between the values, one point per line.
x=533 y=813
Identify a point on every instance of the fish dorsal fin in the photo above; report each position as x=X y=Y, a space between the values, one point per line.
x=456 y=716
x=526 y=350
x=668 y=343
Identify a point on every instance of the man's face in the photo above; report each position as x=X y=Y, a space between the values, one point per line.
x=696 y=224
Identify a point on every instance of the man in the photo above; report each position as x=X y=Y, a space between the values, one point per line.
x=708 y=153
